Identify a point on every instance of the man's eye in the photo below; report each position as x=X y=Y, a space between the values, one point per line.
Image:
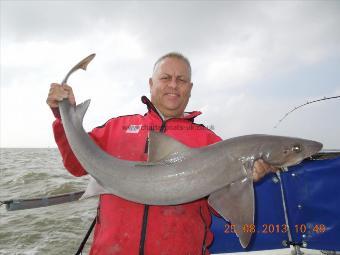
x=164 y=78
x=182 y=80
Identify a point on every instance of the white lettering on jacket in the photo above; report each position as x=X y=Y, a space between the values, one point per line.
x=134 y=129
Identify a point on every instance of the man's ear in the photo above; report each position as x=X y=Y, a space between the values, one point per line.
x=150 y=83
x=191 y=84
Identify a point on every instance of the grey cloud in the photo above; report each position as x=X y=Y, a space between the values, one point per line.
x=56 y=20
x=190 y=26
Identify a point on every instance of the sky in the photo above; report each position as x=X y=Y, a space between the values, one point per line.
x=252 y=62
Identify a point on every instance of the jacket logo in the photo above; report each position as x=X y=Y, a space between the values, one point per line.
x=133 y=129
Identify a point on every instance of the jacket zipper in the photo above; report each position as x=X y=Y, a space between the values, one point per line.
x=98 y=211
x=146 y=207
x=98 y=218
x=204 y=247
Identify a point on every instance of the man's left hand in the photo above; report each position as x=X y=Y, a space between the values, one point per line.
x=261 y=168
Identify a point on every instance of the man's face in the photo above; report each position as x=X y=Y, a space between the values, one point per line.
x=170 y=87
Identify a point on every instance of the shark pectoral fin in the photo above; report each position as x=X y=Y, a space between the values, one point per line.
x=235 y=203
x=82 y=108
x=161 y=146
x=93 y=189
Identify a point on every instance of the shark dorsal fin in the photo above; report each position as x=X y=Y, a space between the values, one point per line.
x=161 y=146
x=81 y=109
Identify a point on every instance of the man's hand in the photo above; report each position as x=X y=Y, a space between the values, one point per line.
x=261 y=168
x=57 y=93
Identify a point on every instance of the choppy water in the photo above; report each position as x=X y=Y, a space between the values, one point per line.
x=58 y=229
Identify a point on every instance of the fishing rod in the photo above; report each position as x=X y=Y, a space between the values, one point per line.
x=297 y=107
x=21 y=204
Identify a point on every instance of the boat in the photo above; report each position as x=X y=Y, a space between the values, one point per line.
x=296 y=210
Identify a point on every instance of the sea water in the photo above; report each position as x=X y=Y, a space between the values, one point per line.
x=58 y=229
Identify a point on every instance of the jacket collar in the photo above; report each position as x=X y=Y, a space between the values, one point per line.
x=152 y=110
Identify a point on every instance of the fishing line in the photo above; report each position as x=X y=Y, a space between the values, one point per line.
x=297 y=107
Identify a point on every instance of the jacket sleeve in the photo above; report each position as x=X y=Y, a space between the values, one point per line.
x=70 y=161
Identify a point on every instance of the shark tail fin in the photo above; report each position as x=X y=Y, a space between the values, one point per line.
x=235 y=203
x=81 y=109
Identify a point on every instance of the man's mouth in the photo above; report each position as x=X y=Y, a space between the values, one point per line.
x=172 y=94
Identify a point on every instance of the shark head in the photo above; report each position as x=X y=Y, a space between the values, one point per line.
x=291 y=151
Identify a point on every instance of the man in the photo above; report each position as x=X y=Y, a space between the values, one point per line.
x=125 y=227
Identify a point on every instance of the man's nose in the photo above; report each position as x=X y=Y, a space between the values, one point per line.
x=173 y=83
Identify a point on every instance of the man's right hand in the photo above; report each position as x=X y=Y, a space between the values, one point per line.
x=57 y=93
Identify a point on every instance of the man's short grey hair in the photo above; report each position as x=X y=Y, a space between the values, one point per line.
x=174 y=55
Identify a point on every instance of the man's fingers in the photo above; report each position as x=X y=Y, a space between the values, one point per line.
x=70 y=95
x=67 y=87
x=55 y=85
x=258 y=171
x=261 y=168
x=255 y=176
x=57 y=93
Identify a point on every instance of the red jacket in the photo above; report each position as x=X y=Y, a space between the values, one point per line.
x=125 y=227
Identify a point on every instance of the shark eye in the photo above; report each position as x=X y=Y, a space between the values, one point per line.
x=296 y=148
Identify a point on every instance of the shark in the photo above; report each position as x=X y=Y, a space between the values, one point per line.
x=176 y=174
